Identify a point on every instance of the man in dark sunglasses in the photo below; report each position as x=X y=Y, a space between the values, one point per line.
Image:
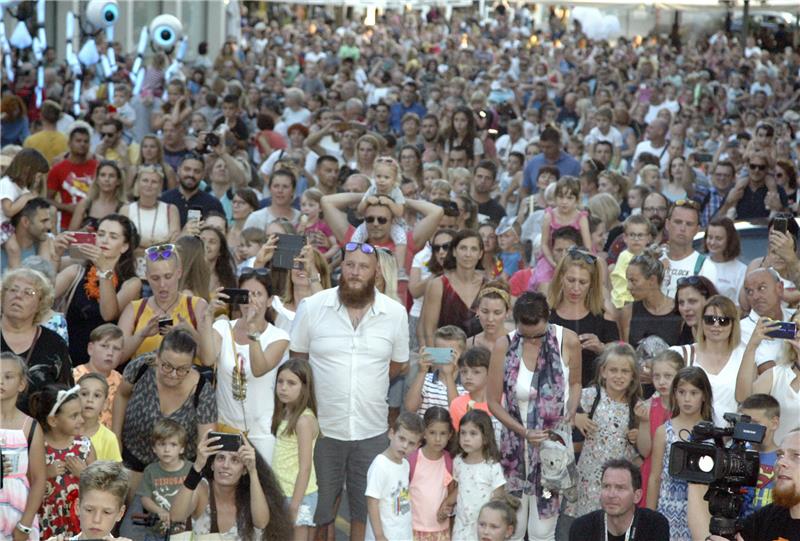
x=757 y=194
x=355 y=339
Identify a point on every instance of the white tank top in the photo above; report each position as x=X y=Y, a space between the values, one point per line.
x=152 y=224
x=782 y=378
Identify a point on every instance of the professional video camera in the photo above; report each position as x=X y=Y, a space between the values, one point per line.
x=724 y=468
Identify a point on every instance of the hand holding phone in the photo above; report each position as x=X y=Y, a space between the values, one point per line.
x=236 y=295
x=784 y=330
x=229 y=442
x=440 y=355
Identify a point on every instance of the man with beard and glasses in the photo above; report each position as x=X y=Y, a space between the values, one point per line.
x=355 y=340
x=188 y=193
x=620 y=518
x=655 y=208
x=779 y=521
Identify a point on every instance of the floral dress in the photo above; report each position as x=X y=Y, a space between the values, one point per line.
x=476 y=482
x=16 y=487
x=59 y=512
x=672 y=497
x=610 y=441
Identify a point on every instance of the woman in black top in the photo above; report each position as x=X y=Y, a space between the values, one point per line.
x=652 y=312
x=690 y=297
x=576 y=293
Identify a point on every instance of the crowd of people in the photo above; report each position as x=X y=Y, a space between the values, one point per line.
x=445 y=268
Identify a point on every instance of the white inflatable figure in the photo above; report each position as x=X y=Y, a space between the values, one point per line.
x=22 y=39
x=100 y=15
x=165 y=34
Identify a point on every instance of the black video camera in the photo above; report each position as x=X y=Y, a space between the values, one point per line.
x=725 y=468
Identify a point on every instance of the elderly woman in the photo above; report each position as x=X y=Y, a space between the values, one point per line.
x=576 y=295
x=164 y=385
x=718 y=352
x=145 y=321
x=26 y=299
x=530 y=407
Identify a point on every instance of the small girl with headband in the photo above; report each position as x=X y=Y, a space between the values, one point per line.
x=385 y=190
x=57 y=409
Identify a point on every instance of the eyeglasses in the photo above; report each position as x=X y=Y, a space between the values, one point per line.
x=757 y=166
x=655 y=210
x=160 y=251
x=168 y=369
x=25 y=291
x=248 y=272
x=722 y=321
x=108 y=134
x=383 y=220
x=445 y=246
x=365 y=248
x=579 y=253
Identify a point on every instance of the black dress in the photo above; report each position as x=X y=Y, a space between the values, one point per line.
x=644 y=324
x=83 y=316
x=605 y=330
x=47 y=363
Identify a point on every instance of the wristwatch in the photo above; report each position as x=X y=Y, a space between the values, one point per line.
x=105 y=275
x=24 y=529
x=254 y=336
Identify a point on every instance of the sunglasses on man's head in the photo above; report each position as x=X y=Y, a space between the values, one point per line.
x=160 y=251
x=687 y=203
x=365 y=247
x=383 y=220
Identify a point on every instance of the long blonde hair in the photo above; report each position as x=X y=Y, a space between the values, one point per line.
x=788 y=354
x=388 y=268
x=577 y=258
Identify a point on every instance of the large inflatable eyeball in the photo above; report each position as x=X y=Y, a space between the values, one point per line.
x=102 y=13
x=165 y=31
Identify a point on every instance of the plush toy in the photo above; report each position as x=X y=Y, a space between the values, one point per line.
x=83 y=51
x=165 y=34
x=559 y=474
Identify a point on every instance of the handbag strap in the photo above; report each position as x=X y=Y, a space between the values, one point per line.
x=65 y=300
x=33 y=345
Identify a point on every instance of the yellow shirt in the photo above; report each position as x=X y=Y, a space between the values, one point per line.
x=286 y=461
x=133 y=154
x=106 y=445
x=181 y=308
x=113 y=380
x=49 y=143
x=619 y=281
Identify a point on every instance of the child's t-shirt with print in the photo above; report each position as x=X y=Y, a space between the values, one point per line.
x=162 y=486
x=761 y=495
x=387 y=482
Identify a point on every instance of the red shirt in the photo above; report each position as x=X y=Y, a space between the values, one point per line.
x=71 y=181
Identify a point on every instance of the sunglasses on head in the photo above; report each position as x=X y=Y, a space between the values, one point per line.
x=247 y=272
x=383 y=220
x=444 y=246
x=687 y=203
x=722 y=321
x=365 y=247
x=160 y=251
x=579 y=253
x=757 y=166
x=692 y=281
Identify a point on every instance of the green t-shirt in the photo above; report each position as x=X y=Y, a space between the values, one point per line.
x=162 y=486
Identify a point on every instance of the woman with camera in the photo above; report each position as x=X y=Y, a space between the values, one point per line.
x=232 y=492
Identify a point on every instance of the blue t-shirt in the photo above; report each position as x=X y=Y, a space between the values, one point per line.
x=761 y=495
x=566 y=165
x=511 y=262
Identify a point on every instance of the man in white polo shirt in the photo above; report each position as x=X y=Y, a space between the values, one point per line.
x=355 y=339
x=763 y=289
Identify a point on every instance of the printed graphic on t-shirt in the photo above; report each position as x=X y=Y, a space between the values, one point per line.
x=402 y=503
x=77 y=187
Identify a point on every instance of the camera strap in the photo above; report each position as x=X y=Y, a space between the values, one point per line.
x=630 y=534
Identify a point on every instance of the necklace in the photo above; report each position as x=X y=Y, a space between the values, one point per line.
x=139 y=219
x=171 y=305
x=629 y=533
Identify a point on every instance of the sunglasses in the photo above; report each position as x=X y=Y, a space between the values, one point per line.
x=107 y=134
x=722 y=321
x=757 y=166
x=687 y=203
x=692 y=281
x=578 y=253
x=439 y=247
x=160 y=251
x=248 y=272
x=365 y=248
x=383 y=220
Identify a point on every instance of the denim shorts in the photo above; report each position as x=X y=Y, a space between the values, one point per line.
x=305 y=513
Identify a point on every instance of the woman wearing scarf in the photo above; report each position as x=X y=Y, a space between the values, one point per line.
x=534 y=388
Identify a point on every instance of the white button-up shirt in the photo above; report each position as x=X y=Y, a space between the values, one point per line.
x=770 y=348
x=350 y=366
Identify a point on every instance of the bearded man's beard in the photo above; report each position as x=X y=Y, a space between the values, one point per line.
x=356 y=296
x=785 y=494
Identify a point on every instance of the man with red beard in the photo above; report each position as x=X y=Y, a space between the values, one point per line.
x=779 y=521
x=355 y=338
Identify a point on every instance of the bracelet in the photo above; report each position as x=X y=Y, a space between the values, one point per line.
x=24 y=529
x=192 y=479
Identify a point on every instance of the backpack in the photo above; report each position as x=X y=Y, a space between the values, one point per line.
x=631 y=405
x=412 y=462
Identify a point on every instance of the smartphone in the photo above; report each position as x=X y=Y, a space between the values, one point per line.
x=289 y=247
x=83 y=237
x=704 y=157
x=781 y=223
x=440 y=355
x=164 y=324
x=195 y=213
x=229 y=442
x=786 y=330
x=237 y=296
